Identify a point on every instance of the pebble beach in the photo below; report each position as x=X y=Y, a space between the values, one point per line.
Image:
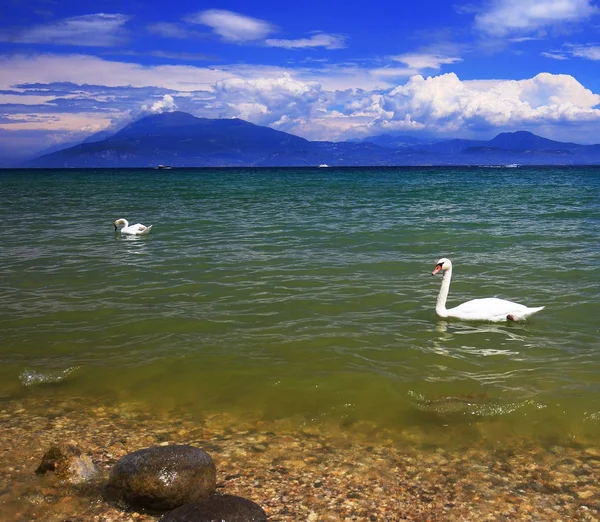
x=296 y=471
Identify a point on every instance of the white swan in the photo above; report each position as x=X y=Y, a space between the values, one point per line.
x=490 y=309
x=137 y=230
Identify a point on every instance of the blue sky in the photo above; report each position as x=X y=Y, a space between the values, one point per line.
x=321 y=70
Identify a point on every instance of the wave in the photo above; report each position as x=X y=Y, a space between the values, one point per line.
x=471 y=405
x=33 y=377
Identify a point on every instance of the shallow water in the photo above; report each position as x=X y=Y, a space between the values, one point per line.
x=307 y=293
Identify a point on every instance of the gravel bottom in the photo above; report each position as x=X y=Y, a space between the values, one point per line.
x=297 y=473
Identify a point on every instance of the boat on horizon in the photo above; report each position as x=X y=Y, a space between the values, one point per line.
x=163 y=167
x=323 y=166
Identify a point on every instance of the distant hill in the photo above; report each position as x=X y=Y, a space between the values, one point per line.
x=394 y=141
x=182 y=140
x=522 y=140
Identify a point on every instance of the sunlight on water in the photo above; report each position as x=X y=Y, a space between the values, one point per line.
x=300 y=293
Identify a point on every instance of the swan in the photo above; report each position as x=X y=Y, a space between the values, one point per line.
x=137 y=230
x=489 y=309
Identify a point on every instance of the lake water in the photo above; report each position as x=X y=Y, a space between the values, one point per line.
x=307 y=294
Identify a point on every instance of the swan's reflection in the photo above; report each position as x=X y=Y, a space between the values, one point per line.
x=126 y=237
x=448 y=330
x=135 y=244
x=481 y=340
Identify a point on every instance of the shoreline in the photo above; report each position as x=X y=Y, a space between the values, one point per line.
x=313 y=473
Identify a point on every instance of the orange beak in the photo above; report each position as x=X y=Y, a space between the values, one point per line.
x=436 y=269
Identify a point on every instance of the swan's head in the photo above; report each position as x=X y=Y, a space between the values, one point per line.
x=442 y=265
x=119 y=222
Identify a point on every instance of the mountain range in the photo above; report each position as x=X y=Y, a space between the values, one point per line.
x=182 y=140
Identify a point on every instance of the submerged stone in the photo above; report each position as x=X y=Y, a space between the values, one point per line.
x=221 y=508
x=67 y=463
x=163 y=477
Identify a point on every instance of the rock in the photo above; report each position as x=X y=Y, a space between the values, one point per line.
x=68 y=464
x=163 y=477
x=221 y=508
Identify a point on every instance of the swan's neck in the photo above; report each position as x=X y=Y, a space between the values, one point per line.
x=440 y=305
x=125 y=223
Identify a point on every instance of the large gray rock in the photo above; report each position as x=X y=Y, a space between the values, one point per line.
x=221 y=508
x=163 y=477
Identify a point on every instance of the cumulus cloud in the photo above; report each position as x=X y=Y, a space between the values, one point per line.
x=281 y=101
x=506 y=17
x=93 y=30
x=167 y=104
x=233 y=27
x=446 y=103
x=439 y=104
x=327 y=41
x=323 y=102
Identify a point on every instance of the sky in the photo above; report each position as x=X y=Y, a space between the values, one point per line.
x=323 y=70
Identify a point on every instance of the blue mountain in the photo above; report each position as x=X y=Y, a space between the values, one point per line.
x=523 y=140
x=180 y=139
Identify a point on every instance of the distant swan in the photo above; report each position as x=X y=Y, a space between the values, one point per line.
x=490 y=309
x=137 y=230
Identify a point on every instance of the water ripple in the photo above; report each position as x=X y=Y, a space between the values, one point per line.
x=317 y=281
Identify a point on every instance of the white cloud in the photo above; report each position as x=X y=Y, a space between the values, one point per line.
x=327 y=41
x=63 y=122
x=446 y=103
x=24 y=99
x=94 y=30
x=589 y=52
x=233 y=27
x=319 y=103
x=425 y=60
x=84 y=69
x=505 y=17
x=281 y=100
x=555 y=55
x=167 y=104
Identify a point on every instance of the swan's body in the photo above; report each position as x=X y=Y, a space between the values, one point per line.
x=133 y=230
x=489 y=309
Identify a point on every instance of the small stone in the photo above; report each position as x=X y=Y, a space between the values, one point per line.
x=593 y=452
x=584 y=495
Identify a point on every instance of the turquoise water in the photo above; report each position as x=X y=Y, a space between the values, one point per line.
x=307 y=293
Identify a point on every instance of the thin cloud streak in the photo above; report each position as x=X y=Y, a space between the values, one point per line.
x=327 y=41
x=506 y=17
x=93 y=30
x=585 y=51
x=589 y=52
x=233 y=27
x=425 y=60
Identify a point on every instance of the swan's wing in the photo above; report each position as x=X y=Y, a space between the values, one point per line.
x=138 y=228
x=490 y=309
